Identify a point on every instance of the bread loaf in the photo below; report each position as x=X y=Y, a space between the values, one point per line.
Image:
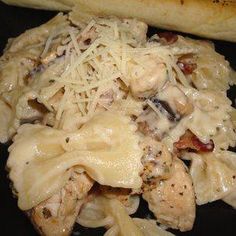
x=214 y=19
x=60 y=5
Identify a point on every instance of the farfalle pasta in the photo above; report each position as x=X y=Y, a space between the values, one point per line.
x=213 y=175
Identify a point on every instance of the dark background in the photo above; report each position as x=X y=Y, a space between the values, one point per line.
x=216 y=218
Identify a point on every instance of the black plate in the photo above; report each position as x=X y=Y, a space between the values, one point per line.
x=212 y=219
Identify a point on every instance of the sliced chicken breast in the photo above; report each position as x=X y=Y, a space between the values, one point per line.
x=172 y=200
x=57 y=215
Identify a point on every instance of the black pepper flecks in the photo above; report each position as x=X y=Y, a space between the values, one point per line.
x=46 y=213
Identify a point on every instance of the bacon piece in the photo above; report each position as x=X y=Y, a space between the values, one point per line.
x=191 y=141
x=202 y=147
x=169 y=37
x=186 y=64
x=187 y=69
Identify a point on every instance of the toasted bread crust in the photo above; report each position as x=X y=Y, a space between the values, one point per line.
x=214 y=19
x=206 y=18
x=60 y=5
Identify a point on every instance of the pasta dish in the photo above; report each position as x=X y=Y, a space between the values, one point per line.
x=102 y=115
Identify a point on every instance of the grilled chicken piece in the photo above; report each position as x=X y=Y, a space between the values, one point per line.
x=57 y=215
x=157 y=163
x=173 y=200
x=151 y=82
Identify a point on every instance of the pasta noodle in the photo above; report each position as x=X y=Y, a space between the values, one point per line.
x=112 y=214
x=4 y=120
x=98 y=147
x=231 y=199
x=213 y=175
x=233 y=117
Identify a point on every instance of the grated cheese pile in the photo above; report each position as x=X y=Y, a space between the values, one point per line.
x=96 y=68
